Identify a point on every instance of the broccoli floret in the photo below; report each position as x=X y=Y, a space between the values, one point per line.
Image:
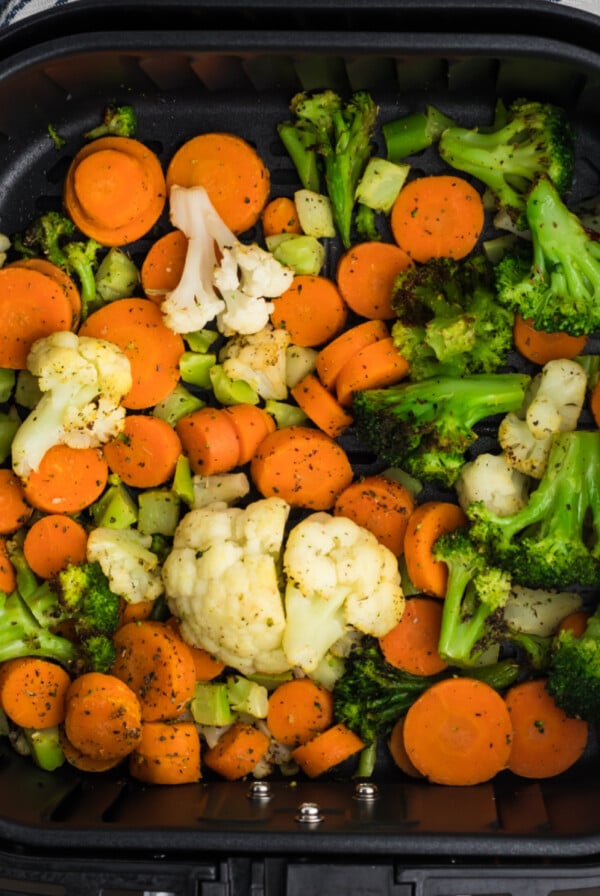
x=552 y=542
x=573 y=676
x=528 y=140
x=448 y=320
x=117 y=121
x=557 y=285
x=426 y=427
x=336 y=138
x=85 y=597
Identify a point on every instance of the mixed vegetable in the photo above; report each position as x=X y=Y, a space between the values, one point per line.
x=196 y=577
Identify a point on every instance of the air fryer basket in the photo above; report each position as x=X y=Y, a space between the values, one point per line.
x=189 y=68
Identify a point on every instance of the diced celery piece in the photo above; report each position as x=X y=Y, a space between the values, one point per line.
x=247 y=696
x=380 y=184
x=158 y=512
x=210 y=704
x=177 y=404
x=27 y=391
x=45 y=747
x=183 y=480
x=299 y=361
x=117 y=276
x=8 y=379
x=285 y=414
x=302 y=253
x=115 y=509
x=201 y=340
x=228 y=391
x=195 y=368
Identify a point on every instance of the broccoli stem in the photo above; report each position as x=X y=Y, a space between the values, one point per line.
x=414 y=133
x=300 y=147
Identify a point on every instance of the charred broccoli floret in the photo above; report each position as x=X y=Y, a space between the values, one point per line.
x=574 y=674
x=117 y=121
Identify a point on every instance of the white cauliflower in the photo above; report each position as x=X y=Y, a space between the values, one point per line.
x=259 y=359
x=222 y=278
x=491 y=479
x=132 y=569
x=221 y=581
x=538 y=612
x=82 y=381
x=219 y=488
x=552 y=404
x=339 y=577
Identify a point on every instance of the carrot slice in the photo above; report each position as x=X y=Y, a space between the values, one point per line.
x=332 y=357
x=43 y=266
x=157 y=666
x=312 y=310
x=575 y=623
x=136 y=326
x=303 y=466
x=67 y=480
x=541 y=347
x=412 y=645
x=595 y=403
x=425 y=525
x=252 y=424
x=145 y=454
x=167 y=753
x=115 y=190
x=209 y=440
x=437 y=216
x=398 y=750
x=381 y=505
x=8 y=578
x=32 y=306
x=546 y=742
x=458 y=732
x=33 y=692
x=103 y=716
x=365 y=277
x=320 y=405
x=299 y=710
x=327 y=750
x=53 y=542
x=232 y=173
x=373 y=367
x=280 y=216
x=162 y=266
x=14 y=507
x=135 y=612
x=237 y=752
x=82 y=762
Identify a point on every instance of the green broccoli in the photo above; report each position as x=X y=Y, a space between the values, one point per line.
x=117 y=121
x=553 y=541
x=557 y=284
x=336 y=138
x=573 y=677
x=448 y=320
x=426 y=427
x=528 y=140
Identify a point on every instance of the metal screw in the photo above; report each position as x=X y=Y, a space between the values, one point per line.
x=309 y=813
x=260 y=790
x=366 y=791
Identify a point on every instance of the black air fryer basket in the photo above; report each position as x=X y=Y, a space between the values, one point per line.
x=192 y=67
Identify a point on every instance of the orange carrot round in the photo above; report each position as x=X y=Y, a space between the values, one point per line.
x=67 y=480
x=103 y=716
x=167 y=753
x=303 y=466
x=158 y=667
x=365 y=277
x=145 y=454
x=82 y=762
x=115 y=190
x=237 y=752
x=412 y=645
x=373 y=367
x=136 y=612
x=575 y=623
x=67 y=284
x=298 y=710
x=32 y=306
x=252 y=424
x=546 y=742
x=312 y=310
x=232 y=173
x=162 y=266
x=15 y=508
x=398 y=750
x=381 y=505
x=8 y=578
x=320 y=406
x=595 y=403
x=437 y=216
x=425 y=525
x=327 y=750
x=136 y=326
x=280 y=216
x=210 y=441
x=33 y=692
x=332 y=357
x=458 y=732
x=53 y=542
x=541 y=347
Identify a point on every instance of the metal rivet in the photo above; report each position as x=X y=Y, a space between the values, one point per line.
x=309 y=813
x=366 y=791
x=260 y=790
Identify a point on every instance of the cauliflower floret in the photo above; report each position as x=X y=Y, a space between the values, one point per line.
x=539 y=612
x=552 y=404
x=221 y=581
x=222 y=278
x=82 y=380
x=219 y=488
x=338 y=577
x=259 y=359
x=4 y=247
x=491 y=479
x=132 y=569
